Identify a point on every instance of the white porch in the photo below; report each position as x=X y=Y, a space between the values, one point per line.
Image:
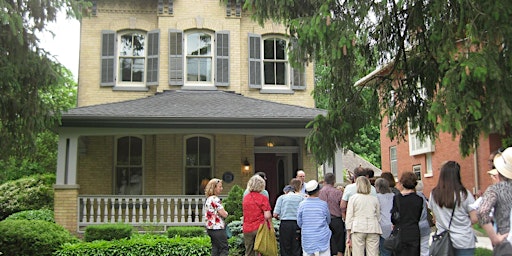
x=155 y=212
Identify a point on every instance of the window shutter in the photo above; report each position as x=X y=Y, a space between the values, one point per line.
x=175 y=57
x=108 y=47
x=222 y=58
x=254 y=61
x=298 y=79
x=152 y=57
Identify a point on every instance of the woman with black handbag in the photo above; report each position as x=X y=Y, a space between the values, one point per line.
x=405 y=216
x=450 y=203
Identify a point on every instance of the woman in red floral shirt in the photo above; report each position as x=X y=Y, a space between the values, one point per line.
x=214 y=217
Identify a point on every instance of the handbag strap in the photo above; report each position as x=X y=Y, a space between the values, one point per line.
x=451 y=218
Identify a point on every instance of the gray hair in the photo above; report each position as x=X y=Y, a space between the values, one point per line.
x=382 y=186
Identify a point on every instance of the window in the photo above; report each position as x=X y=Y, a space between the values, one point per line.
x=135 y=56
x=418 y=146
x=417 y=170
x=198 y=164
x=128 y=169
x=274 y=61
x=269 y=69
x=428 y=169
x=393 y=161
x=132 y=57
x=198 y=58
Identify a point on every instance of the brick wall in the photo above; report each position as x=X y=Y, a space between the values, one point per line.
x=66 y=207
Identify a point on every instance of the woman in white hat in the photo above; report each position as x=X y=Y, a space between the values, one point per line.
x=499 y=197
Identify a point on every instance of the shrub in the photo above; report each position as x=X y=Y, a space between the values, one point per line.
x=108 y=232
x=186 y=232
x=29 y=193
x=483 y=252
x=32 y=237
x=141 y=245
x=43 y=214
x=233 y=204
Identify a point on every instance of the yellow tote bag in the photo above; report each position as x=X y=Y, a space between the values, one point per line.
x=266 y=242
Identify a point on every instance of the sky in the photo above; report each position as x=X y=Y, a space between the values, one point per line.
x=65 y=45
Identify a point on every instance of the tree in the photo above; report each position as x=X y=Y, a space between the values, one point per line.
x=30 y=77
x=447 y=65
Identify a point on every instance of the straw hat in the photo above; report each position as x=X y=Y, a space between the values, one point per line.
x=503 y=163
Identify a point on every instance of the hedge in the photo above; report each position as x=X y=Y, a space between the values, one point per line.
x=140 y=245
x=32 y=237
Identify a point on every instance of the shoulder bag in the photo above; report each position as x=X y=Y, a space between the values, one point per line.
x=392 y=243
x=442 y=243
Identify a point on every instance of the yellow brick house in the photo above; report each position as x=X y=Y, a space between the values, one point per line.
x=171 y=94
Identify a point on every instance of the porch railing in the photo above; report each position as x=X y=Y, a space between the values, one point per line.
x=155 y=211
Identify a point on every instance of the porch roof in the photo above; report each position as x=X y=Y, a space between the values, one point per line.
x=192 y=109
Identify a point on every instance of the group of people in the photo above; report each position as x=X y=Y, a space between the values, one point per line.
x=323 y=220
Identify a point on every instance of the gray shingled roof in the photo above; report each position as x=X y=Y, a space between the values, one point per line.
x=182 y=108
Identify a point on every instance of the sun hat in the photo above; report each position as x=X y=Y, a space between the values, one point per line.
x=503 y=163
x=312 y=186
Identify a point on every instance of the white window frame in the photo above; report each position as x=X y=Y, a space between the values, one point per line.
x=211 y=57
x=287 y=66
x=417 y=146
x=428 y=168
x=393 y=160
x=117 y=165
x=119 y=57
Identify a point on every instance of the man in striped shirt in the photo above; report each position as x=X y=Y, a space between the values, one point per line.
x=313 y=218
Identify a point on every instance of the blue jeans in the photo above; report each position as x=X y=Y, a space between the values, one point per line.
x=382 y=251
x=465 y=252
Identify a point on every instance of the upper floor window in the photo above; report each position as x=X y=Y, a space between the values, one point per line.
x=393 y=161
x=198 y=58
x=129 y=58
x=269 y=69
x=128 y=166
x=132 y=57
x=274 y=61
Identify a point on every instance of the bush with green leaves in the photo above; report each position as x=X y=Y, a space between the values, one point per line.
x=141 y=245
x=483 y=252
x=43 y=214
x=186 y=231
x=236 y=242
x=32 y=237
x=29 y=193
x=108 y=232
x=233 y=204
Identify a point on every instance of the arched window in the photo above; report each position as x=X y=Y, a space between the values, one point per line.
x=198 y=164
x=129 y=166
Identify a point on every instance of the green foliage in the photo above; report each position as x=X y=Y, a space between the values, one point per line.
x=43 y=214
x=32 y=82
x=422 y=79
x=483 y=252
x=233 y=204
x=29 y=193
x=141 y=245
x=186 y=231
x=108 y=232
x=32 y=237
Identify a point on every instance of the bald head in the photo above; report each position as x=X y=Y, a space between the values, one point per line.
x=301 y=175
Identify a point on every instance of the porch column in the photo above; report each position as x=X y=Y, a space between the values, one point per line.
x=66 y=206
x=67 y=159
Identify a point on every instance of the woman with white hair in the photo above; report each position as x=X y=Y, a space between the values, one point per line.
x=499 y=197
x=256 y=210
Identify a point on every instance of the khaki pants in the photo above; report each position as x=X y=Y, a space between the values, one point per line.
x=362 y=241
